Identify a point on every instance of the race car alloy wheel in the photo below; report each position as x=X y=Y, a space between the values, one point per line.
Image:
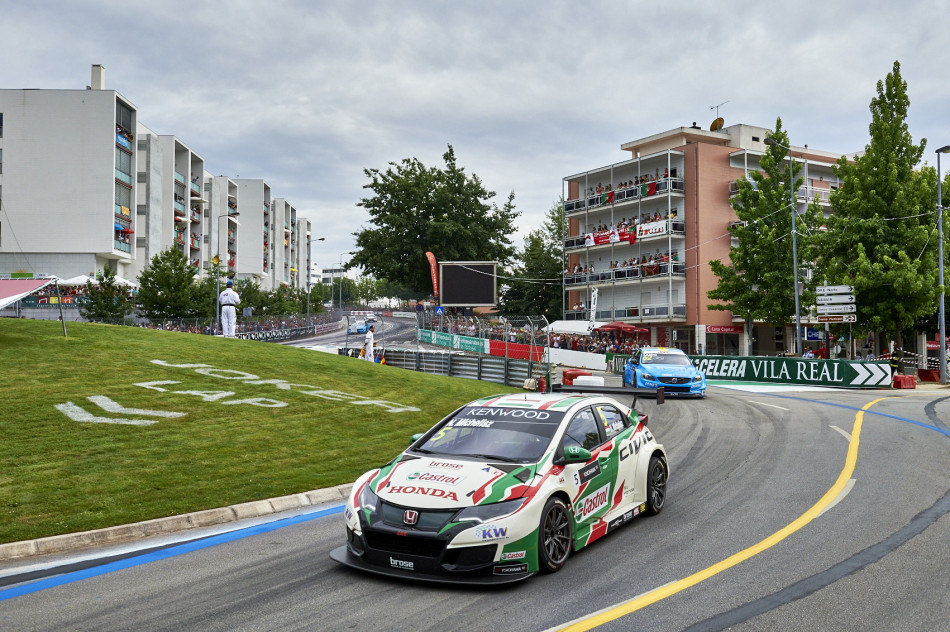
x=656 y=486
x=555 y=535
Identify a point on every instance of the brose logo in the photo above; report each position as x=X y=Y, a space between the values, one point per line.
x=593 y=503
x=402 y=564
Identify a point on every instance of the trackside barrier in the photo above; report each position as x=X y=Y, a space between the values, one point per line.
x=840 y=373
x=500 y=370
x=275 y=335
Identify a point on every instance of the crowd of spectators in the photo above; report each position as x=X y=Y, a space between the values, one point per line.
x=629 y=184
x=650 y=264
x=644 y=218
x=597 y=343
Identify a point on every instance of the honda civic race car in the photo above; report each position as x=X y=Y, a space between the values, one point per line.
x=504 y=487
x=653 y=367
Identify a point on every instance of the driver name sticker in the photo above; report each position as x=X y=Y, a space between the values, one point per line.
x=465 y=422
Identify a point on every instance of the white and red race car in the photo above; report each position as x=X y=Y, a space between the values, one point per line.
x=504 y=487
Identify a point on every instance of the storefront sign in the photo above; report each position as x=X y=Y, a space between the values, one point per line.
x=724 y=329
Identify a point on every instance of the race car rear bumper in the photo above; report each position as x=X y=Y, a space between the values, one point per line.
x=346 y=557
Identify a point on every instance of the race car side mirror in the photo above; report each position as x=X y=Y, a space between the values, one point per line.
x=415 y=437
x=576 y=454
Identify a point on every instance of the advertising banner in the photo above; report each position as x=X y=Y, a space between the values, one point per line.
x=841 y=373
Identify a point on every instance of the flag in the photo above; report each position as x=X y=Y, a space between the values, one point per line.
x=632 y=234
x=607 y=197
x=378 y=358
x=382 y=356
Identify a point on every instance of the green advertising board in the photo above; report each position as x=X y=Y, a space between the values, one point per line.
x=841 y=373
x=454 y=341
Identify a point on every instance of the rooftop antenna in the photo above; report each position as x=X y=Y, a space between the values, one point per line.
x=716 y=107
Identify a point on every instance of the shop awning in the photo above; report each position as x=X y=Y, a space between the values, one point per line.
x=12 y=290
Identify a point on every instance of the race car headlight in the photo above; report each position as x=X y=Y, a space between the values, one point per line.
x=647 y=376
x=698 y=378
x=483 y=513
x=368 y=498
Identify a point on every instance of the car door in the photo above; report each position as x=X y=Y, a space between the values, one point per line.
x=590 y=484
x=620 y=431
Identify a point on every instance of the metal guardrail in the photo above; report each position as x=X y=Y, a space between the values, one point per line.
x=495 y=369
x=276 y=335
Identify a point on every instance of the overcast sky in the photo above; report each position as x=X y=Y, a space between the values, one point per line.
x=307 y=94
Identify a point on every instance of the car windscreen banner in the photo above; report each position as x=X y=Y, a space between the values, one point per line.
x=543 y=423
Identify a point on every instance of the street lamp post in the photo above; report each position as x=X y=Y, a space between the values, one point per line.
x=309 y=274
x=942 y=313
x=217 y=303
x=791 y=190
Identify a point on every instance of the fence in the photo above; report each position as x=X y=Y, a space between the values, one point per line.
x=523 y=337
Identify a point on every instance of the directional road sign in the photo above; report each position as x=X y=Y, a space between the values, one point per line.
x=835 y=289
x=834 y=298
x=836 y=309
x=838 y=318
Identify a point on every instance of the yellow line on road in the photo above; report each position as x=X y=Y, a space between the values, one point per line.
x=673 y=588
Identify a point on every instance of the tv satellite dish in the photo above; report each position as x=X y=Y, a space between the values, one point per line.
x=717 y=125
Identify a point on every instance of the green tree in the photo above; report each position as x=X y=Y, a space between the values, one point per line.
x=758 y=283
x=286 y=300
x=415 y=209
x=251 y=296
x=534 y=286
x=167 y=288
x=106 y=301
x=881 y=236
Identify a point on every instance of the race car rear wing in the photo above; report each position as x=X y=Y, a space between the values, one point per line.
x=628 y=391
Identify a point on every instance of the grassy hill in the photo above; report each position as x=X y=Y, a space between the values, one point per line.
x=246 y=421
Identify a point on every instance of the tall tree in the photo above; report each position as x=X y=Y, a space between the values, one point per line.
x=759 y=281
x=881 y=236
x=415 y=209
x=167 y=288
x=106 y=301
x=535 y=284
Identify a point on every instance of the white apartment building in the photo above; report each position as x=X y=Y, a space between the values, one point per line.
x=84 y=186
x=67 y=180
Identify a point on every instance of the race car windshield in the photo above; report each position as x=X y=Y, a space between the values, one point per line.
x=676 y=359
x=487 y=432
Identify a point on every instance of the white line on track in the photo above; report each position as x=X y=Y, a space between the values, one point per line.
x=561 y=626
x=844 y=492
x=770 y=405
x=844 y=433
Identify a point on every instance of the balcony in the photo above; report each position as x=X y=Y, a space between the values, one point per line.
x=634 y=314
x=803 y=194
x=180 y=237
x=123 y=177
x=646 y=271
x=123 y=212
x=195 y=242
x=195 y=215
x=631 y=194
x=621 y=237
x=195 y=189
x=179 y=208
x=123 y=246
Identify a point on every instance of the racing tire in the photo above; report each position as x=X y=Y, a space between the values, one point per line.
x=555 y=536
x=657 y=476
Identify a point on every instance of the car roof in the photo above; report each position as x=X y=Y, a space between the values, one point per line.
x=539 y=401
x=663 y=350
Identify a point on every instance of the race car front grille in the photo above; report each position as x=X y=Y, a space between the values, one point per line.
x=470 y=557
x=409 y=544
x=674 y=380
x=427 y=520
x=677 y=389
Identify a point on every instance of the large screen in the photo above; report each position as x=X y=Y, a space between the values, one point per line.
x=468 y=283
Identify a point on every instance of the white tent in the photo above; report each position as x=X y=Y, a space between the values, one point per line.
x=82 y=279
x=571 y=327
x=125 y=282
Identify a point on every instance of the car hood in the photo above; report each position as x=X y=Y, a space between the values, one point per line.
x=443 y=483
x=671 y=370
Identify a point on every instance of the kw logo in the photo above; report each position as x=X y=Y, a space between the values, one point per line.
x=76 y=413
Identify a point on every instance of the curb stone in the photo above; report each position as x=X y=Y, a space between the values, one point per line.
x=172 y=524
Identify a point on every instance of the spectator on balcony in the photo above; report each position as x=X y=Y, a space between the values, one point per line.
x=666 y=173
x=600 y=188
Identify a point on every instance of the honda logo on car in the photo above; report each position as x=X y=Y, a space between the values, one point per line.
x=403 y=564
x=410 y=517
x=425 y=491
x=491 y=532
x=430 y=477
x=593 y=503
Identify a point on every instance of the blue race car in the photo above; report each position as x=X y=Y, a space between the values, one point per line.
x=652 y=367
x=359 y=327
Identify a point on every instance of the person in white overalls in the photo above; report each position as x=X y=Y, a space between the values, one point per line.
x=368 y=343
x=229 y=300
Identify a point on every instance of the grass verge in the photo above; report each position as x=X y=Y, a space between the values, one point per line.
x=260 y=420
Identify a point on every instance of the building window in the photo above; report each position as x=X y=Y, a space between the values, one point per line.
x=123 y=161
x=1 y=124
x=123 y=195
x=123 y=116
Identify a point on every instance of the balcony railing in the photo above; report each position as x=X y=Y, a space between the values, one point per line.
x=123 y=212
x=643 y=191
x=195 y=215
x=123 y=177
x=179 y=208
x=646 y=232
x=803 y=194
x=121 y=245
x=179 y=178
x=630 y=273
x=641 y=313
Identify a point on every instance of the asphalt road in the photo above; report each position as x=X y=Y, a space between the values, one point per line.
x=745 y=466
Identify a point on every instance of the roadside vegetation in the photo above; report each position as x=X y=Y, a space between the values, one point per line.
x=234 y=443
